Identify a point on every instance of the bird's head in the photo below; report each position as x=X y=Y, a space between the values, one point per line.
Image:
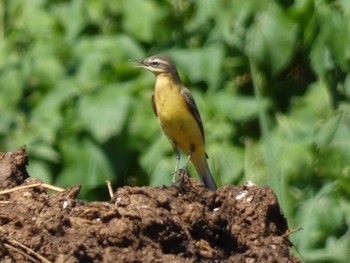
x=157 y=64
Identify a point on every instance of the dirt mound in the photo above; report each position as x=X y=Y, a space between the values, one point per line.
x=186 y=223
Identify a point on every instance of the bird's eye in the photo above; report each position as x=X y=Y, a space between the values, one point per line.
x=155 y=64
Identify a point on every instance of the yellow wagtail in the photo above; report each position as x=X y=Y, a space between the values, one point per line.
x=178 y=115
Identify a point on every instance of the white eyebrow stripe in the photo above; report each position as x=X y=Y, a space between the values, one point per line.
x=162 y=61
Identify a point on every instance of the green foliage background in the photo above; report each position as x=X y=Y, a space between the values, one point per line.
x=270 y=79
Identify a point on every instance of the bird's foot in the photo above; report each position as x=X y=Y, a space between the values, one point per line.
x=179 y=173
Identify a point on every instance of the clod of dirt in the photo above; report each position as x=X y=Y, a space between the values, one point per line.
x=13 y=168
x=186 y=223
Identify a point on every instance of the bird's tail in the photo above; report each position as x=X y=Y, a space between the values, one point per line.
x=205 y=174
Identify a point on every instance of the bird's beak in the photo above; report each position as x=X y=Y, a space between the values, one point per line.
x=141 y=61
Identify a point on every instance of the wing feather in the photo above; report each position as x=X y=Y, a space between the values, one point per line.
x=154 y=105
x=191 y=104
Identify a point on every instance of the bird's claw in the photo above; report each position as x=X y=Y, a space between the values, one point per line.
x=179 y=173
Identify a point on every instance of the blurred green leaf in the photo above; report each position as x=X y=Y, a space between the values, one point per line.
x=89 y=72
x=144 y=124
x=347 y=86
x=70 y=14
x=225 y=162
x=96 y=10
x=154 y=154
x=46 y=118
x=161 y=175
x=321 y=57
x=84 y=164
x=46 y=70
x=236 y=107
x=336 y=250
x=302 y=122
x=40 y=170
x=255 y=168
x=272 y=38
x=294 y=157
x=322 y=212
x=142 y=27
x=104 y=113
x=206 y=10
x=205 y=64
x=31 y=18
x=326 y=133
x=11 y=91
x=94 y=54
x=232 y=24
x=331 y=47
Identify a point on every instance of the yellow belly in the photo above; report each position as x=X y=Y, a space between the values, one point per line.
x=176 y=119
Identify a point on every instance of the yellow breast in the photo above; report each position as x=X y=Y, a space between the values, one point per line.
x=175 y=117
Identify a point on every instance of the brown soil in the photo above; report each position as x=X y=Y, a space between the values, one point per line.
x=186 y=223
